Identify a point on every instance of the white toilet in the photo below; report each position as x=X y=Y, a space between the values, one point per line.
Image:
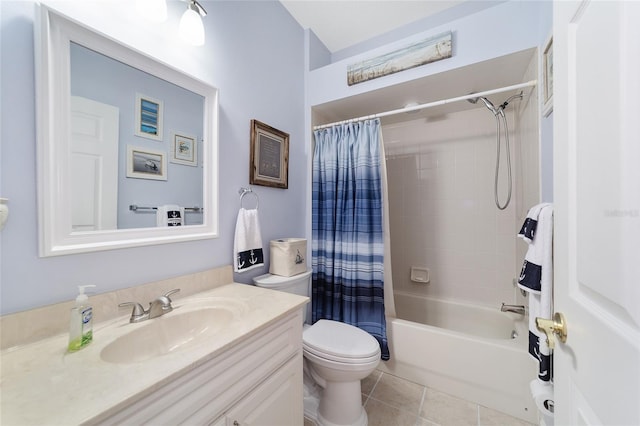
x=337 y=356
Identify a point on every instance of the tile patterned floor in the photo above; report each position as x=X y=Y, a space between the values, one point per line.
x=391 y=401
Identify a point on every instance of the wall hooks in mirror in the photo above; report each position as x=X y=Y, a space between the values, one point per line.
x=244 y=191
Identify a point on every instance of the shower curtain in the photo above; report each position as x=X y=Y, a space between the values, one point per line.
x=347 y=244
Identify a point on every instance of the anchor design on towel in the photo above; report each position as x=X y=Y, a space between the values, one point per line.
x=522 y=272
x=240 y=262
x=253 y=259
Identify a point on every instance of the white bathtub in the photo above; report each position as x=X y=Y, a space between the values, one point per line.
x=463 y=350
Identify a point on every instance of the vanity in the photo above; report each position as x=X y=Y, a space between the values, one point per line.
x=227 y=356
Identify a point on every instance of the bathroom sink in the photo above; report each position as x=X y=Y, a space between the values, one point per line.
x=184 y=326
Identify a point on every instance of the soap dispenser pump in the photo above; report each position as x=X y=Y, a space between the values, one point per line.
x=81 y=324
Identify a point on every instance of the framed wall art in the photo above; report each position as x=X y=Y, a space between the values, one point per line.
x=144 y=163
x=184 y=150
x=269 y=162
x=149 y=115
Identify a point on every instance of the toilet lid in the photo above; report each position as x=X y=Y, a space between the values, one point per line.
x=337 y=339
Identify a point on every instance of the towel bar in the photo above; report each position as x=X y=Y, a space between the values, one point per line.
x=244 y=191
x=134 y=208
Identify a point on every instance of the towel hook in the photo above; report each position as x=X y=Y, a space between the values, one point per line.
x=244 y=191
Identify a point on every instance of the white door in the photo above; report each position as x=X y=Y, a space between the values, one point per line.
x=597 y=214
x=94 y=165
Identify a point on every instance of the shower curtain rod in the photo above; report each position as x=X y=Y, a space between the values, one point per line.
x=431 y=104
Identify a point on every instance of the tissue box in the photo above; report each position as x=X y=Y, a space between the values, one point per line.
x=288 y=256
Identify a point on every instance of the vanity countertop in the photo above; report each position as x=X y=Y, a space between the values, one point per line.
x=43 y=384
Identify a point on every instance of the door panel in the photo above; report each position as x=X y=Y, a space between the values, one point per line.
x=597 y=213
x=94 y=165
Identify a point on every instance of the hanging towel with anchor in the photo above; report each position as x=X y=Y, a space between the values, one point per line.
x=247 y=244
x=536 y=278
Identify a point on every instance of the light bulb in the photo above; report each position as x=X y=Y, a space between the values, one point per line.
x=191 y=27
x=152 y=10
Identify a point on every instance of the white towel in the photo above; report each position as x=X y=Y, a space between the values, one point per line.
x=536 y=278
x=247 y=244
x=528 y=230
x=170 y=215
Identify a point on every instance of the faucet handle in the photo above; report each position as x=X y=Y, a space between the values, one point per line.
x=137 y=312
x=169 y=293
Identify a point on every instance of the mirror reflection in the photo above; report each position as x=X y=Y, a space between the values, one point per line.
x=127 y=145
x=136 y=144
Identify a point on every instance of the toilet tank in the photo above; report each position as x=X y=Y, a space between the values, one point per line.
x=297 y=284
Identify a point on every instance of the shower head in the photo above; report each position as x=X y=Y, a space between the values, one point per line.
x=489 y=105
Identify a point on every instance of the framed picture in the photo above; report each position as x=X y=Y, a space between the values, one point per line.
x=269 y=164
x=184 y=150
x=547 y=77
x=144 y=163
x=149 y=117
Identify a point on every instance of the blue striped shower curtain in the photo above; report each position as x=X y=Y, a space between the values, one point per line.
x=347 y=245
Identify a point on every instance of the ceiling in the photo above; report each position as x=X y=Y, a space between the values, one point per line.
x=341 y=24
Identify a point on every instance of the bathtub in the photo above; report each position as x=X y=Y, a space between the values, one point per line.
x=471 y=352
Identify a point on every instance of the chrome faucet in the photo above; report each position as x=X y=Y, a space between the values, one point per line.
x=517 y=309
x=157 y=308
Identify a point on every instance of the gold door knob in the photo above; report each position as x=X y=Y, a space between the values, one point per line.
x=557 y=326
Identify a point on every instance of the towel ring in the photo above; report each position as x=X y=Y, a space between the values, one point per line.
x=245 y=191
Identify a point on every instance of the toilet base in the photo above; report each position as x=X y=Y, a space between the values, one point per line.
x=312 y=396
x=363 y=420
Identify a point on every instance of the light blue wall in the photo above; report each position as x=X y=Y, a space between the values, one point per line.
x=254 y=55
x=505 y=28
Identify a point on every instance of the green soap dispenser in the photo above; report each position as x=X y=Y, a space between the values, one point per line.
x=81 y=324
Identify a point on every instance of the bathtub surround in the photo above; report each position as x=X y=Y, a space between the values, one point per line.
x=442 y=212
x=36 y=324
x=348 y=247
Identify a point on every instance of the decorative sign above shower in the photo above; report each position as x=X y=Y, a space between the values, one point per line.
x=416 y=54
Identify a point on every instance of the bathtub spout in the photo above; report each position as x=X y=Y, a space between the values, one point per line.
x=517 y=309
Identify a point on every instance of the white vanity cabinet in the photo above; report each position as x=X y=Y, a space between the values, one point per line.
x=274 y=402
x=255 y=382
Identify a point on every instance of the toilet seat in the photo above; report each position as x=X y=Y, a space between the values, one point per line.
x=340 y=342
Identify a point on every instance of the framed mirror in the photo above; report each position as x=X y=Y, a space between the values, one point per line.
x=127 y=145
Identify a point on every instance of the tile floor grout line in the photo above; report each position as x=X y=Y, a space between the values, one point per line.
x=373 y=388
x=424 y=395
x=391 y=406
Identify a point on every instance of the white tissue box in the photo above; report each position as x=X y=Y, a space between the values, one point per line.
x=288 y=256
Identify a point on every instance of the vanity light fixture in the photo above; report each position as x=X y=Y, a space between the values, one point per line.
x=191 y=27
x=152 y=10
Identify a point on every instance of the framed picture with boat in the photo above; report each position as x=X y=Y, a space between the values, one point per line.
x=144 y=163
